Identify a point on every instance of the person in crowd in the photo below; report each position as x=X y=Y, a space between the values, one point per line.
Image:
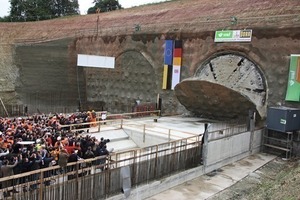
x=103 y=152
x=54 y=152
x=50 y=142
x=35 y=164
x=5 y=171
x=73 y=158
x=93 y=117
x=89 y=153
x=63 y=158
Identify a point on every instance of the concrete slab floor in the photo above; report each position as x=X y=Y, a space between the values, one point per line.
x=208 y=185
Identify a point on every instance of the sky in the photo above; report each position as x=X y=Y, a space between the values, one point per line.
x=84 y=5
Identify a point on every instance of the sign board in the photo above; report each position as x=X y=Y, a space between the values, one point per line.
x=233 y=36
x=95 y=61
x=293 y=89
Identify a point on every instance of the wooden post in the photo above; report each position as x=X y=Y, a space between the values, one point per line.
x=77 y=182
x=134 y=167
x=144 y=133
x=4 y=107
x=173 y=161
x=169 y=135
x=156 y=161
x=41 y=185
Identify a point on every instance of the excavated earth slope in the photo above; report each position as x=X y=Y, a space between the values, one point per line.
x=276 y=180
x=158 y=18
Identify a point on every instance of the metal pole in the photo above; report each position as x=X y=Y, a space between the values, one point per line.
x=252 y=127
x=97 y=25
x=205 y=145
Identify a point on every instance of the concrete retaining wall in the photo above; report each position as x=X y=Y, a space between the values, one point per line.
x=232 y=148
x=228 y=147
x=221 y=151
x=155 y=187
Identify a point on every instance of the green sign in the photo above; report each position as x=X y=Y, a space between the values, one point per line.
x=223 y=34
x=233 y=36
x=293 y=89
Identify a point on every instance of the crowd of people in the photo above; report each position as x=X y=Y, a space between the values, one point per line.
x=39 y=141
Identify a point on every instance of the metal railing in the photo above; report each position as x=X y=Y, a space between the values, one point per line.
x=99 y=177
x=79 y=180
x=116 y=120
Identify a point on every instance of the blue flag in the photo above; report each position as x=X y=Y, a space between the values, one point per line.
x=168 y=52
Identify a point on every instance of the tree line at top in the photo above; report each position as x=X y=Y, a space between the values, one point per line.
x=35 y=10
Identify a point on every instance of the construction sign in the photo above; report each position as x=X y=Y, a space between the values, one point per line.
x=293 y=89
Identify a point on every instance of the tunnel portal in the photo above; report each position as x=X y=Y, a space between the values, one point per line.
x=226 y=86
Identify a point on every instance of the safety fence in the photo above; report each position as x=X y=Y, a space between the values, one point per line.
x=101 y=177
x=12 y=110
x=226 y=133
x=104 y=119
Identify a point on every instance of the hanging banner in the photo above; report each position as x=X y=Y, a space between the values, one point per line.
x=168 y=54
x=293 y=89
x=172 y=64
x=233 y=36
x=168 y=60
x=167 y=77
x=175 y=76
x=177 y=59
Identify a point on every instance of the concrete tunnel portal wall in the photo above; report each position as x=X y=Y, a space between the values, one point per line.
x=227 y=82
x=217 y=81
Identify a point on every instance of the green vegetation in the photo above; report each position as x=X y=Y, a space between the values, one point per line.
x=104 y=6
x=35 y=10
x=4 y=19
x=279 y=182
